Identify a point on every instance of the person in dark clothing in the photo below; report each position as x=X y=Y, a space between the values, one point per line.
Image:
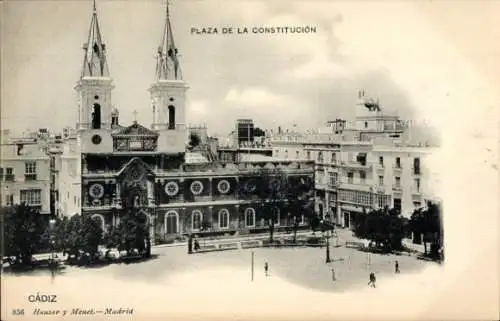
x=372 y=279
x=396 y=267
x=196 y=245
x=266 y=268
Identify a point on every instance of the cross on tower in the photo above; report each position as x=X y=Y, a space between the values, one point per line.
x=135 y=115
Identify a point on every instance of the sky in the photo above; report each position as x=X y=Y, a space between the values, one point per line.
x=405 y=53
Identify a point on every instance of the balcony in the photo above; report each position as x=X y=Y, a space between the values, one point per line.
x=397 y=169
x=416 y=193
x=30 y=177
x=334 y=185
x=397 y=189
x=355 y=186
x=354 y=165
x=10 y=178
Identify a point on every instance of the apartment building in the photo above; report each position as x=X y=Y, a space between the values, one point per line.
x=362 y=166
x=25 y=174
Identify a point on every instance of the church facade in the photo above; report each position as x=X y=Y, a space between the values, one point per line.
x=105 y=160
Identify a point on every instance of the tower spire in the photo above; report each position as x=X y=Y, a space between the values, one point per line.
x=167 y=63
x=94 y=61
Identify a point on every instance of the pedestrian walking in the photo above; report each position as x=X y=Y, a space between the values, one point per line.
x=396 y=267
x=266 y=268
x=333 y=275
x=373 y=279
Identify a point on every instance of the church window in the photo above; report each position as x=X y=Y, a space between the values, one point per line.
x=100 y=220
x=96 y=139
x=96 y=97
x=223 y=218
x=96 y=117
x=171 y=219
x=249 y=217
x=171 y=188
x=197 y=217
x=196 y=188
x=223 y=186
x=171 y=117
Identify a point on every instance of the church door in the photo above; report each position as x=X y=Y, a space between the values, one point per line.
x=171 y=223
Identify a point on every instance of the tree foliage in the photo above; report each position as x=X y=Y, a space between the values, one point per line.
x=132 y=232
x=384 y=227
x=23 y=230
x=286 y=195
x=194 y=141
x=78 y=234
x=258 y=132
x=426 y=225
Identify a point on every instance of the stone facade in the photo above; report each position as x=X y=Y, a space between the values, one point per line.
x=180 y=198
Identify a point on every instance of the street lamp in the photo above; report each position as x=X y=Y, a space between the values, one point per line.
x=327 y=237
x=52 y=222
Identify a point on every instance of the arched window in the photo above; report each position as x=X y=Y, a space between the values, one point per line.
x=171 y=117
x=171 y=222
x=249 y=217
x=99 y=218
x=96 y=117
x=197 y=217
x=223 y=218
x=320 y=156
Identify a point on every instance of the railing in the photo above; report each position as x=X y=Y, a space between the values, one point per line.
x=234 y=169
x=30 y=177
x=354 y=164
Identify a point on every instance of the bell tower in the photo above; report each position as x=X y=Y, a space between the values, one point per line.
x=94 y=94
x=95 y=85
x=168 y=94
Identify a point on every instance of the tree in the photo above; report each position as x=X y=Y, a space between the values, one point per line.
x=78 y=234
x=258 y=132
x=300 y=197
x=194 y=141
x=23 y=228
x=384 y=227
x=426 y=224
x=132 y=232
x=434 y=227
x=274 y=194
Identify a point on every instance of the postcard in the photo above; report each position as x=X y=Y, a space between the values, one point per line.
x=274 y=160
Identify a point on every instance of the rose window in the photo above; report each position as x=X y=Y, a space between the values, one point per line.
x=171 y=188
x=96 y=191
x=196 y=188
x=224 y=186
x=250 y=187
